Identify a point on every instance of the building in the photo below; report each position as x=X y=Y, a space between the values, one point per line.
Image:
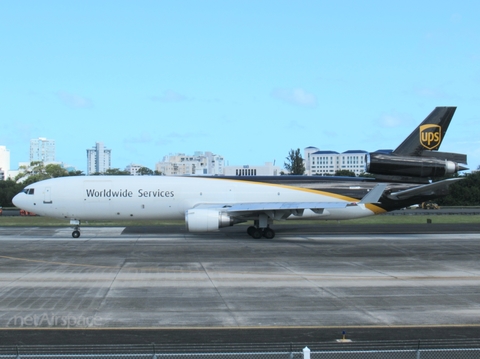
x=269 y=169
x=4 y=162
x=307 y=153
x=323 y=163
x=328 y=162
x=98 y=159
x=353 y=160
x=133 y=169
x=42 y=149
x=208 y=164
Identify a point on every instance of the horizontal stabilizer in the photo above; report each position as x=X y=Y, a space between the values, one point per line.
x=374 y=195
x=437 y=188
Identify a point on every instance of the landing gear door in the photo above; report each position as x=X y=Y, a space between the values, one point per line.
x=47 y=195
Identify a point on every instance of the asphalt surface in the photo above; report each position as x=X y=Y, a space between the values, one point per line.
x=142 y=285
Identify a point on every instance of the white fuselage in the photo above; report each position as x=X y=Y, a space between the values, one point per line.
x=163 y=197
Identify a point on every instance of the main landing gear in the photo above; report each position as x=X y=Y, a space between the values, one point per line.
x=76 y=228
x=261 y=227
x=257 y=233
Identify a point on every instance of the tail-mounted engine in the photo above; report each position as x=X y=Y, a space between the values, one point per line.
x=429 y=166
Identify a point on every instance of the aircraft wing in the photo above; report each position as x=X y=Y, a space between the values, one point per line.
x=281 y=210
x=431 y=189
x=274 y=210
x=275 y=206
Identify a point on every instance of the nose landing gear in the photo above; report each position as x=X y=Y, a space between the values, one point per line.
x=76 y=232
x=76 y=228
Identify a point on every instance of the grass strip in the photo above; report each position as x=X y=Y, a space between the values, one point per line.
x=37 y=221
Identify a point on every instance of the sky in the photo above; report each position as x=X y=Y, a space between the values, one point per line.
x=249 y=80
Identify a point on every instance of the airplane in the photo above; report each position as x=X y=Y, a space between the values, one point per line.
x=403 y=177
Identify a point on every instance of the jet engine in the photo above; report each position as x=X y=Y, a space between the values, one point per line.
x=207 y=220
x=385 y=164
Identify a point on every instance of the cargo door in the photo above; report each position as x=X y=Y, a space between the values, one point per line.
x=47 y=195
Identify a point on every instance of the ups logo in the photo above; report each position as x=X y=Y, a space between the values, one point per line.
x=430 y=136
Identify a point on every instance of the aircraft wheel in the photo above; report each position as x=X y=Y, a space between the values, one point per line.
x=250 y=230
x=76 y=234
x=268 y=233
x=257 y=233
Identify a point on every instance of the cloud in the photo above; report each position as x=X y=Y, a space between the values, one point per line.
x=394 y=119
x=388 y=120
x=169 y=96
x=295 y=125
x=430 y=93
x=144 y=137
x=330 y=134
x=74 y=100
x=456 y=18
x=182 y=137
x=295 y=96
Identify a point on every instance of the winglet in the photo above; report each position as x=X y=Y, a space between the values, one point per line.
x=374 y=195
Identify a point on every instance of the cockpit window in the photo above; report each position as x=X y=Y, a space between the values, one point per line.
x=29 y=190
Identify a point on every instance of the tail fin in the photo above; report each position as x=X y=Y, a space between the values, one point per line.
x=429 y=134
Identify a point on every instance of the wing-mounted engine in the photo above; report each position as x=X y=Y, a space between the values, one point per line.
x=207 y=220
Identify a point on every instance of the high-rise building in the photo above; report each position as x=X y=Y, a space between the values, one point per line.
x=42 y=149
x=4 y=162
x=98 y=159
x=199 y=163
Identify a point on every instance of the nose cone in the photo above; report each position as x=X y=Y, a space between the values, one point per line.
x=22 y=201
x=17 y=200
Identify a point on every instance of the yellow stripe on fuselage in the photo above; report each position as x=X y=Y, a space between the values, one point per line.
x=375 y=209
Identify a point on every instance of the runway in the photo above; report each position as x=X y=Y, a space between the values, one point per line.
x=167 y=280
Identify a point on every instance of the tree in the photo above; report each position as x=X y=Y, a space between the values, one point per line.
x=346 y=173
x=144 y=171
x=111 y=172
x=294 y=164
x=463 y=193
x=37 y=171
x=55 y=171
x=36 y=168
x=116 y=172
x=8 y=189
x=366 y=174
